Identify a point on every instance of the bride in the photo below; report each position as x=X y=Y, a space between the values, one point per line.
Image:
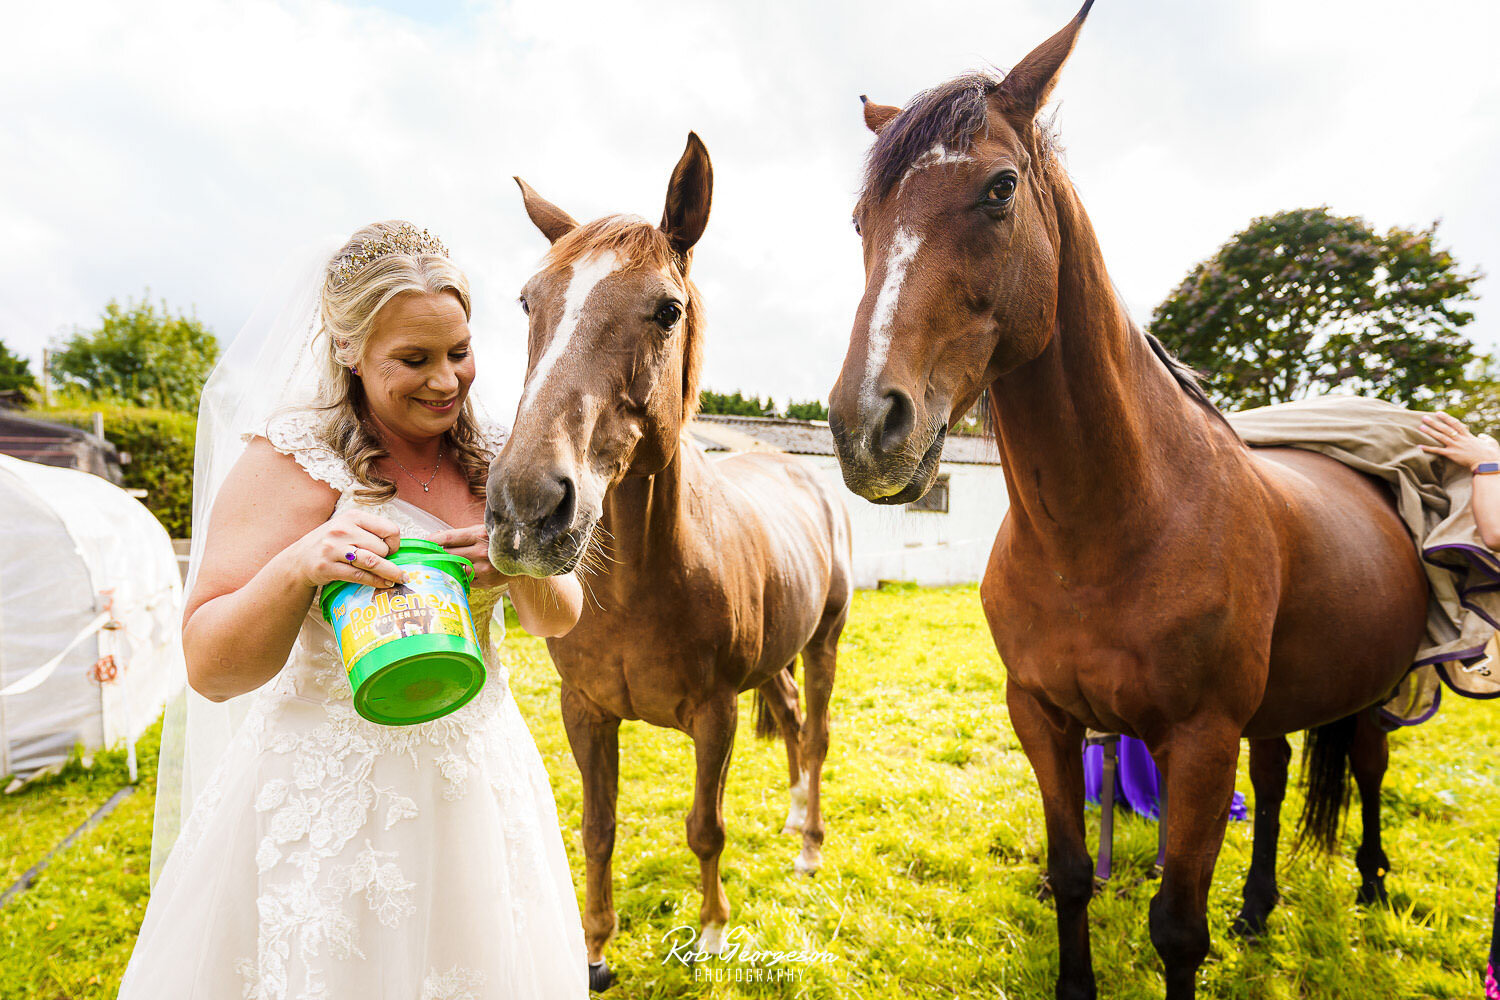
x=322 y=855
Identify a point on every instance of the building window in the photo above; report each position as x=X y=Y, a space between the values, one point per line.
x=936 y=499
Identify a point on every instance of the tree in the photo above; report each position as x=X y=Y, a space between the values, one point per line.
x=734 y=404
x=140 y=356
x=1479 y=404
x=15 y=371
x=813 y=409
x=1307 y=302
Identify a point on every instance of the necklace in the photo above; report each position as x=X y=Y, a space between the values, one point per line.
x=435 y=467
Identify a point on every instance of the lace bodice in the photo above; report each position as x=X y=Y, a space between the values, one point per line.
x=329 y=856
x=315 y=670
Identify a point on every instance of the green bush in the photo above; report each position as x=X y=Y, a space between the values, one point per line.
x=160 y=445
x=146 y=355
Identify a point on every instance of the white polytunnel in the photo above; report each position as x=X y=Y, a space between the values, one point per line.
x=90 y=616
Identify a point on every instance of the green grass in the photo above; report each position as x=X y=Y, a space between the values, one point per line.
x=932 y=865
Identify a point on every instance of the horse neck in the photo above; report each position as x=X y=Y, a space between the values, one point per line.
x=1092 y=430
x=645 y=520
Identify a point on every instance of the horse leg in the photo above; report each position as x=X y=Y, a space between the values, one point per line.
x=819 y=665
x=713 y=728
x=595 y=739
x=1368 y=757
x=1198 y=767
x=1269 y=759
x=1053 y=743
x=779 y=695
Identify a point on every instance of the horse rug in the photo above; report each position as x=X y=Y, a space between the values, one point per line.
x=1433 y=496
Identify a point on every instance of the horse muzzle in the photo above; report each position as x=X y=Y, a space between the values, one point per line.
x=536 y=526
x=884 y=456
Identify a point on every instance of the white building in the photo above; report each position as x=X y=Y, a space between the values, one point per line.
x=944 y=538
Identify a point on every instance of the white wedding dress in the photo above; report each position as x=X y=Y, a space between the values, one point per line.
x=333 y=858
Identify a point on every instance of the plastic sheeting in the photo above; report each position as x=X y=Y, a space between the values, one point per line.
x=90 y=616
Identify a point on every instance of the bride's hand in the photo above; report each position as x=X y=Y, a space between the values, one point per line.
x=473 y=543
x=1455 y=442
x=323 y=555
x=549 y=606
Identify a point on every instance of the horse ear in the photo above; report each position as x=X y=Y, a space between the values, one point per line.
x=878 y=116
x=1026 y=87
x=551 y=220
x=688 y=196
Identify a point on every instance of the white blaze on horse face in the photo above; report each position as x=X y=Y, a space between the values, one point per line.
x=937 y=156
x=586 y=274
x=903 y=250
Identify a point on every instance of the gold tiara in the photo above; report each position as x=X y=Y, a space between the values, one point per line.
x=404 y=239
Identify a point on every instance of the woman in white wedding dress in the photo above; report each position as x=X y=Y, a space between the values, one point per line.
x=326 y=856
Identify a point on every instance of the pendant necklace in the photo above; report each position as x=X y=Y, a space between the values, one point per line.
x=438 y=465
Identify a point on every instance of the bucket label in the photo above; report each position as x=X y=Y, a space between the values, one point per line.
x=430 y=602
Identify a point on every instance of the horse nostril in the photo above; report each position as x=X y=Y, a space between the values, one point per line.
x=561 y=517
x=896 y=424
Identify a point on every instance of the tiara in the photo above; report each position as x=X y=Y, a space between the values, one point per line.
x=404 y=239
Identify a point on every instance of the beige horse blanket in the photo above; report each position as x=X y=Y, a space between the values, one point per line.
x=1433 y=498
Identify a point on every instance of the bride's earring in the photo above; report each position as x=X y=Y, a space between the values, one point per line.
x=354 y=369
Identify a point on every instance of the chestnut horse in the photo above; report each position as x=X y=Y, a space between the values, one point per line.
x=716 y=574
x=1153 y=575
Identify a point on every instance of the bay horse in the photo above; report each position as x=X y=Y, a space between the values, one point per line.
x=1153 y=576
x=716 y=575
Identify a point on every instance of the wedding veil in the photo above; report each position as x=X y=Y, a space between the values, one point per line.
x=279 y=360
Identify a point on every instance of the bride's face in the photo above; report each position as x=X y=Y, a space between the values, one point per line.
x=418 y=364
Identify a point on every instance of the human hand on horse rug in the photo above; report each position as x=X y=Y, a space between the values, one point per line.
x=1481 y=456
x=1457 y=443
x=547 y=607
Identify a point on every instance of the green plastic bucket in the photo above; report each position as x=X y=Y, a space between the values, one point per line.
x=411 y=650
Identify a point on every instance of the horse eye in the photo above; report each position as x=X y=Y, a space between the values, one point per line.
x=1002 y=191
x=667 y=316
x=525 y=306
x=855 y=220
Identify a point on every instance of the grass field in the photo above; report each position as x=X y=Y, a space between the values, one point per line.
x=932 y=864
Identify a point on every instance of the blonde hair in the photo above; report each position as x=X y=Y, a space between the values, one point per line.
x=351 y=302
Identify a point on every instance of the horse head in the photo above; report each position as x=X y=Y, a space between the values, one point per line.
x=613 y=360
x=961 y=266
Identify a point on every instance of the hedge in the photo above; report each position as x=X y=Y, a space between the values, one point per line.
x=160 y=445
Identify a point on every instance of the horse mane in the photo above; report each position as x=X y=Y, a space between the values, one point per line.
x=637 y=243
x=1186 y=377
x=951 y=114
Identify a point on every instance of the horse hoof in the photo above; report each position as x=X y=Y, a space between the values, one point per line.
x=711 y=939
x=1248 y=928
x=600 y=977
x=808 y=862
x=790 y=829
x=1372 y=894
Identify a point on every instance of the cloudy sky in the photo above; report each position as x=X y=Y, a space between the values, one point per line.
x=182 y=145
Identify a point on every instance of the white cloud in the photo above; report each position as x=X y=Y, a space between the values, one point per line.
x=184 y=144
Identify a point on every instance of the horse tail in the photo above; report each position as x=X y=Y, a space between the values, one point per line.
x=1325 y=777
x=766 y=726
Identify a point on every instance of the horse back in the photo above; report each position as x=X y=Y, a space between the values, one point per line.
x=778 y=519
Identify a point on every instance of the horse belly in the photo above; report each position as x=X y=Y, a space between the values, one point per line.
x=1354 y=598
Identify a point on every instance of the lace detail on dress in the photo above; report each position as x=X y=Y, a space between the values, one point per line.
x=455 y=984
x=298 y=433
x=334 y=791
